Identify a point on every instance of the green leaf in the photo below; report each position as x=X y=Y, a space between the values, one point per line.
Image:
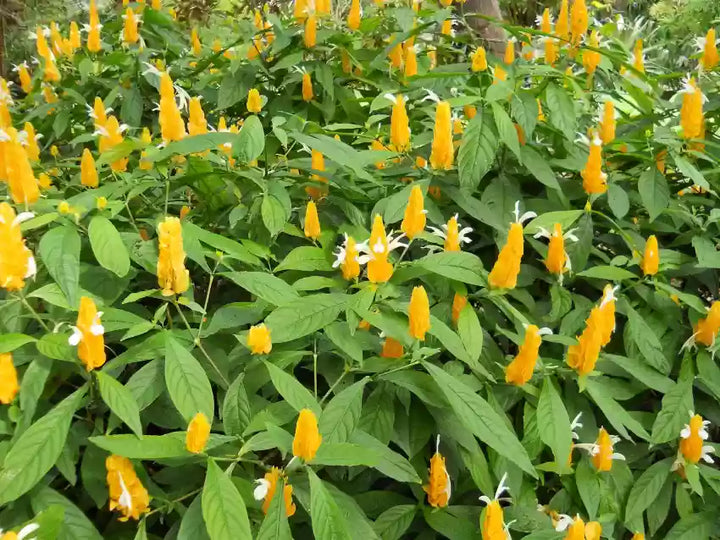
x=646 y=340
x=389 y=463
x=60 y=252
x=547 y=221
x=223 y=508
x=342 y=414
x=689 y=171
x=693 y=527
x=610 y=273
x=149 y=447
x=31 y=388
x=452 y=342
x=538 y=167
x=121 y=401
x=251 y=140
x=108 y=247
x=10 y=342
x=75 y=524
x=506 y=129
x=618 y=200
x=588 y=485
x=275 y=525
x=642 y=372
x=470 y=332
x=234 y=86
x=236 y=410
x=328 y=522
x=477 y=152
x=705 y=251
x=478 y=416
x=450 y=525
x=35 y=452
x=292 y=391
x=147 y=383
x=186 y=381
x=266 y=286
x=345 y=454
x=674 y=413
x=646 y=488
x=562 y=111
x=304 y=316
x=616 y=413
x=395 y=521
x=340 y=335
x=306 y=259
x=273 y=214
x=192 y=526
x=458 y=265
x=654 y=192
x=554 y=423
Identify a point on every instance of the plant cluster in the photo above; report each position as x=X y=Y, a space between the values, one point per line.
x=355 y=277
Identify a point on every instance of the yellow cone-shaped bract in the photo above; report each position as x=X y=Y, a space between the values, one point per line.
x=692 y=119
x=127 y=494
x=197 y=124
x=520 y=370
x=90 y=333
x=16 y=260
x=171 y=123
x=88 y=171
x=607 y=123
x=258 y=339
x=312 y=221
x=354 y=16
x=307 y=437
x=8 y=379
x=710 y=57
x=254 y=101
x=173 y=278
x=556 y=259
x=130 y=28
x=507 y=267
x=379 y=269
x=651 y=257
x=399 y=126
x=272 y=477
x=413 y=222
x=198 y=433
x=442 y=152
x=419 y=313
x=438 y=488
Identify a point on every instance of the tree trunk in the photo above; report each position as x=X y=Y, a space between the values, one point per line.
x=489 y=31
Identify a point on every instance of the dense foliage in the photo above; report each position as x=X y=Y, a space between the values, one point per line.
x=419 y=290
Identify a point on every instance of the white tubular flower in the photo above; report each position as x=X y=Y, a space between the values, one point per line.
x=609 y=295
x=76 y=337
x=563 y=522
x=23 y=533
x=575 y=424
x=502 y=488
x=261 y=490
x=125 y=499
x=31 y=267
x=22 y=216
x=525 y=216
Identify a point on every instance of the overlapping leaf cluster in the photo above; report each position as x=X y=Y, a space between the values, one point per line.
x=292 y=116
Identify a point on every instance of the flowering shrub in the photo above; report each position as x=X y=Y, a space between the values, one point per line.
x=357 y=278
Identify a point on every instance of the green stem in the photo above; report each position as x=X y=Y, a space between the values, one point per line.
x=199 y=344
x=315 y=357
x=207 y=297
x=334 y=385
x=34 y=313
x=170 y=503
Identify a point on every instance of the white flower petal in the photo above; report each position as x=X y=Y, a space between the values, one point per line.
x=260 y=491
x=75 y=338
x=27 y=530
